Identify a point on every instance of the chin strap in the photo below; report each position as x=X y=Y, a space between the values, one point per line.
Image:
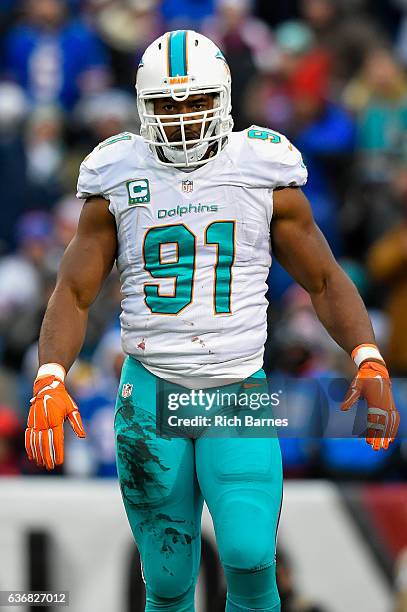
x=210 y=150
x=196 y=153
x=177 y=156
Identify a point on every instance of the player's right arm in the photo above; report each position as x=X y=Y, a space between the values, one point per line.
x=86 y=263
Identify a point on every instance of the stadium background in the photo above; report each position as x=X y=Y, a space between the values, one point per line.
x=331 y=75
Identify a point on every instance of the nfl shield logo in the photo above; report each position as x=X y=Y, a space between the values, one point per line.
x=187 y=186
x=126 y=390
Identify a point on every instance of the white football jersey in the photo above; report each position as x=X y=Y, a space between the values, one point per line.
x=194 y=250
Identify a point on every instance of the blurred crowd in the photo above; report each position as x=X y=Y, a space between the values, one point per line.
x=330 y=74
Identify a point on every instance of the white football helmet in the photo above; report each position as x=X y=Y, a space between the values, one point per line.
x=176 y=65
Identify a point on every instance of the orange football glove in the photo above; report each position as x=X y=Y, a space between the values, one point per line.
x=44 y=436
x=372 y=382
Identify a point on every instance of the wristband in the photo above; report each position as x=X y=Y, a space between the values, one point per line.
x=51 y=369
x=364 y=352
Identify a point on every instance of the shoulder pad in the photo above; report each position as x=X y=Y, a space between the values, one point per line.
x=97 y=172
x=110 y=150
x=273 y=160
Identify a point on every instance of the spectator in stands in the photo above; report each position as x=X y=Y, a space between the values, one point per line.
x=95 y=119
x=324 y=133
x=23 y=286
x=45 y=152
x=387 y=261
x=186 y=13
x=108 y=113
x=245 y=40
x=378 y=96
x=345 y=31
x=54 y=58
x=128 y=28
x=268 y=100
x=14 y=183
x=20 y=272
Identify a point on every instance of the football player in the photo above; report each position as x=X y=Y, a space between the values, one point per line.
x=190 y=211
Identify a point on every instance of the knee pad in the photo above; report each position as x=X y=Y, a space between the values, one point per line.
x=169 y=576
x=252 y=590
x=246 y=529
x=181 y=603
x=167 y=587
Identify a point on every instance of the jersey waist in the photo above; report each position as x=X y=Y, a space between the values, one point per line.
x=199 y=376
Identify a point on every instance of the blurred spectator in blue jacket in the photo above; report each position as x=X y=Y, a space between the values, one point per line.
x=15 y=192
x=31 y=153
x=325 y=134
x=54 y=58
x=186 y=13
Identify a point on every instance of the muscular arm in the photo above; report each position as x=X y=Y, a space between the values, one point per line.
x=300 y=247
x=86 y=263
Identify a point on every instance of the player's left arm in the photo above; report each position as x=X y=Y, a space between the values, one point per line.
x=300 y=247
